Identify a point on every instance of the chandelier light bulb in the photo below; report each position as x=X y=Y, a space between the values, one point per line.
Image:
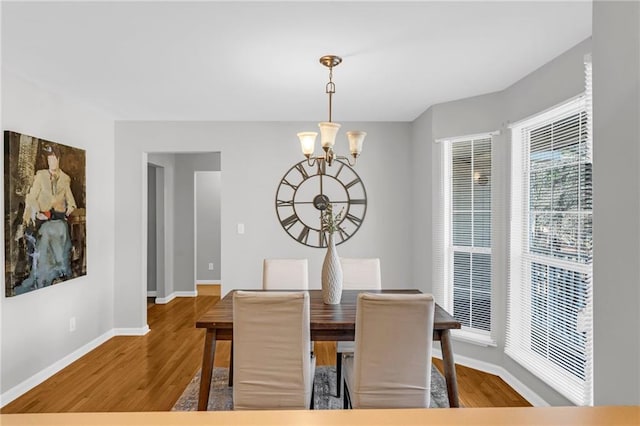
x=356 y=138
x=308 y=142
x=328 y=132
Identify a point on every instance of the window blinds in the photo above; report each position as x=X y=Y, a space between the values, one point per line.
x=463 y=234
x=471 y=232
x=549 y=321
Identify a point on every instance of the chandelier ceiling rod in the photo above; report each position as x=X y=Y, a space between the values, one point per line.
x=330 y=61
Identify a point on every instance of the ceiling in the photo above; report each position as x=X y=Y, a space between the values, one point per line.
x=258 y=61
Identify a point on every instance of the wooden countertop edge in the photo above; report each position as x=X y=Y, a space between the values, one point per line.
x=539 y=416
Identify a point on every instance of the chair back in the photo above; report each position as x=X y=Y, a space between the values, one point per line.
x=392 y=359
x=285 y=274
x=361 y=274
x=271 y=359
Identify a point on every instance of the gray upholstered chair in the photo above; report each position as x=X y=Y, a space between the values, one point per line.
x=285 y=274
x=274 y=368
x=357 y=274
x=391 y=365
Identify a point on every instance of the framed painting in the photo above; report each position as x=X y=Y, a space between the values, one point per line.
x=44 y=213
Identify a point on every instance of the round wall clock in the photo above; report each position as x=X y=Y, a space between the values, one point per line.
x=304 y=193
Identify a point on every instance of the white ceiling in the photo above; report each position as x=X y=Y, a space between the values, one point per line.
x=259 y=60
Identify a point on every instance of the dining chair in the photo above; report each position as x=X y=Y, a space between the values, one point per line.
x=274 y=368
x=391 y=365
x=357 y=274
x=285 y=274
x=280 y=274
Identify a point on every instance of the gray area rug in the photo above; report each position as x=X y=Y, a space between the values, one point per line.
x=221 y=396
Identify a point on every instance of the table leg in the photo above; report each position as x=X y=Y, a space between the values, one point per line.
x=449 y=368
x=207 y=369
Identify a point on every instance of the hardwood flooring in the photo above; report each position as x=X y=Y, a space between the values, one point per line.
x=149 y=373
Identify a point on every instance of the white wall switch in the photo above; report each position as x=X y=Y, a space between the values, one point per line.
x=211 y=266
x=241 y=228
x=72 y=324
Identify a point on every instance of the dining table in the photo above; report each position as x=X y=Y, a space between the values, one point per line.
x=327 y=323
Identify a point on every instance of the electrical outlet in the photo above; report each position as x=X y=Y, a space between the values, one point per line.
x=72 y=324
x=211 y=266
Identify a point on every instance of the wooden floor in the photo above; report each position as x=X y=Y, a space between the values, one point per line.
x=149 y=373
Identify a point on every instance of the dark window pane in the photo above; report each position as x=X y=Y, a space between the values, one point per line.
x=461 y=306
x=461 y=269
x=481 y=276
x=481 y=310
x=462 y=229
x=482 y=229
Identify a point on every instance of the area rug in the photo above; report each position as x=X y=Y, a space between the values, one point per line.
x=221 y=396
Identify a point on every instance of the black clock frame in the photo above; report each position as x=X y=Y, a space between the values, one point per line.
x=320 y=202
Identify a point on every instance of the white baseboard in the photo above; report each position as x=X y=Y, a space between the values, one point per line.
x=526 y=392
x=208 y=282
x=141 y=331
x=169 y=298
x=164 y=300
x=152 y=293
x=49 y=371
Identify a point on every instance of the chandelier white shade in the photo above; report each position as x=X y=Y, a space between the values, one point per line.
x=329 y=129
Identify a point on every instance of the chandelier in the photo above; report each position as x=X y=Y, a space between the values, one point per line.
x=329 y=129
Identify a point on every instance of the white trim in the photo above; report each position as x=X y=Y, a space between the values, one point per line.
x=152 y=293
x=561 y=108
x=140 y=331
x=169 y=298
x=49 y=371
x=524 y=391
x=475 y=338
x=208 y=282
x=195 y=230
x=476 y=136
x=164 y=300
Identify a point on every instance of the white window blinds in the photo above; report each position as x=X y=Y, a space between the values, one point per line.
x=467 y=230
x=549 y=319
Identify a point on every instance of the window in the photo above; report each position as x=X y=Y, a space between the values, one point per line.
x=549 y=311
x=467 y=239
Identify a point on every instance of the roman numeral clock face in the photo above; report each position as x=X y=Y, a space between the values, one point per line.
x=304 y=193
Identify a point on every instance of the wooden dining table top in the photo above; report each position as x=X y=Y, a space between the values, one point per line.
x=333 y=319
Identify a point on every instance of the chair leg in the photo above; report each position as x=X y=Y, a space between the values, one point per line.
x=231 y=366
x=313 y=393
x=346 y=399
x=338 y=373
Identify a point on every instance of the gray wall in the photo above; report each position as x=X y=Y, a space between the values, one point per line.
x=184 y=248
x=35 y=336
x=208 y=226
x=256 y=156
x=616 y=216
x=165 y=183
x=152 y=263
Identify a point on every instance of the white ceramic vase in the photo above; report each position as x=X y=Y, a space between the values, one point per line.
x=331 y=275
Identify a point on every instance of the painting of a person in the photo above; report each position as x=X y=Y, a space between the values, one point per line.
x=48 y=204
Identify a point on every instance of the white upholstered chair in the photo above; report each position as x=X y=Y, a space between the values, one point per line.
x=357 y=274
x=391 y=365
x=274 y=368
x=285 y=274
x=280 y=274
